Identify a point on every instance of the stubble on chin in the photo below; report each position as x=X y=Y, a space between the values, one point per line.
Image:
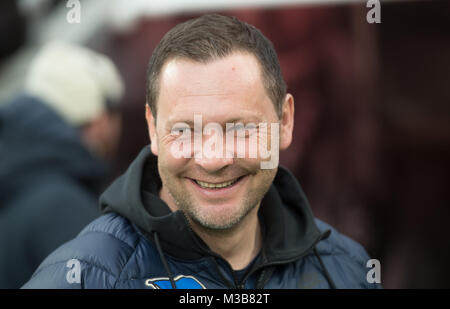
x=211 y=222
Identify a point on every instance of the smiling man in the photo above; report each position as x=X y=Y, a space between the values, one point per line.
x=206 y=204
x=220 y=195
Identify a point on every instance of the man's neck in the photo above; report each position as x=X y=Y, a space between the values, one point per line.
x=240 y=245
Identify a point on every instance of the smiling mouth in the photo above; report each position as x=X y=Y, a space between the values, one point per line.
x=208 y=185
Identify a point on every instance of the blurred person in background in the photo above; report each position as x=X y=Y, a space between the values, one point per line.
x=55 y=142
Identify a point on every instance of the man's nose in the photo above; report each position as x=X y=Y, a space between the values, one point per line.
x=213 y=164
x=213 y=159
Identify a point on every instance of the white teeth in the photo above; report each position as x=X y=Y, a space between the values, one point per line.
x=215 y=185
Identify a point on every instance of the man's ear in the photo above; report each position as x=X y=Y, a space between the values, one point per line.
x=151 y=123
x=287 y=122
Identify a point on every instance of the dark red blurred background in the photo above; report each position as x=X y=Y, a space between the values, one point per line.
x=372 y=126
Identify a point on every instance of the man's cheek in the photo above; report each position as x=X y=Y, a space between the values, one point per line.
x=172 y=162
x=180 y=146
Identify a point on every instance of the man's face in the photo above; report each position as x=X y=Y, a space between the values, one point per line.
x=218 y=192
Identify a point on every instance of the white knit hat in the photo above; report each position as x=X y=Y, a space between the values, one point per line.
x=75 y=81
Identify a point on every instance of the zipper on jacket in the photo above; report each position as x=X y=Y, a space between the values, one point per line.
x=275 y=263
x=215 y=256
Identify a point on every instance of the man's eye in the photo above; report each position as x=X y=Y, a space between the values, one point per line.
x=181 y=130
x=249 y=128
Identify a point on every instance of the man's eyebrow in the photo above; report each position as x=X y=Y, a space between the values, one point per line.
x=173 y=122
x=251 y=119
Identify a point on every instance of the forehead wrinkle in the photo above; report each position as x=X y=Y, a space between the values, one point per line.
x=206 y=95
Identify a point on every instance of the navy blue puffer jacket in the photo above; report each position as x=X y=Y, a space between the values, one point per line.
x=140 y=243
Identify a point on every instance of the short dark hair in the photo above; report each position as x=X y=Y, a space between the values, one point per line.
x=212 y=37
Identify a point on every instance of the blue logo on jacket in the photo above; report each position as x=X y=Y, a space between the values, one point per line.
x=181 y=282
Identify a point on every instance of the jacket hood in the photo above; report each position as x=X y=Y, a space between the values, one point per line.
x=34 y=140
x=289 y=227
